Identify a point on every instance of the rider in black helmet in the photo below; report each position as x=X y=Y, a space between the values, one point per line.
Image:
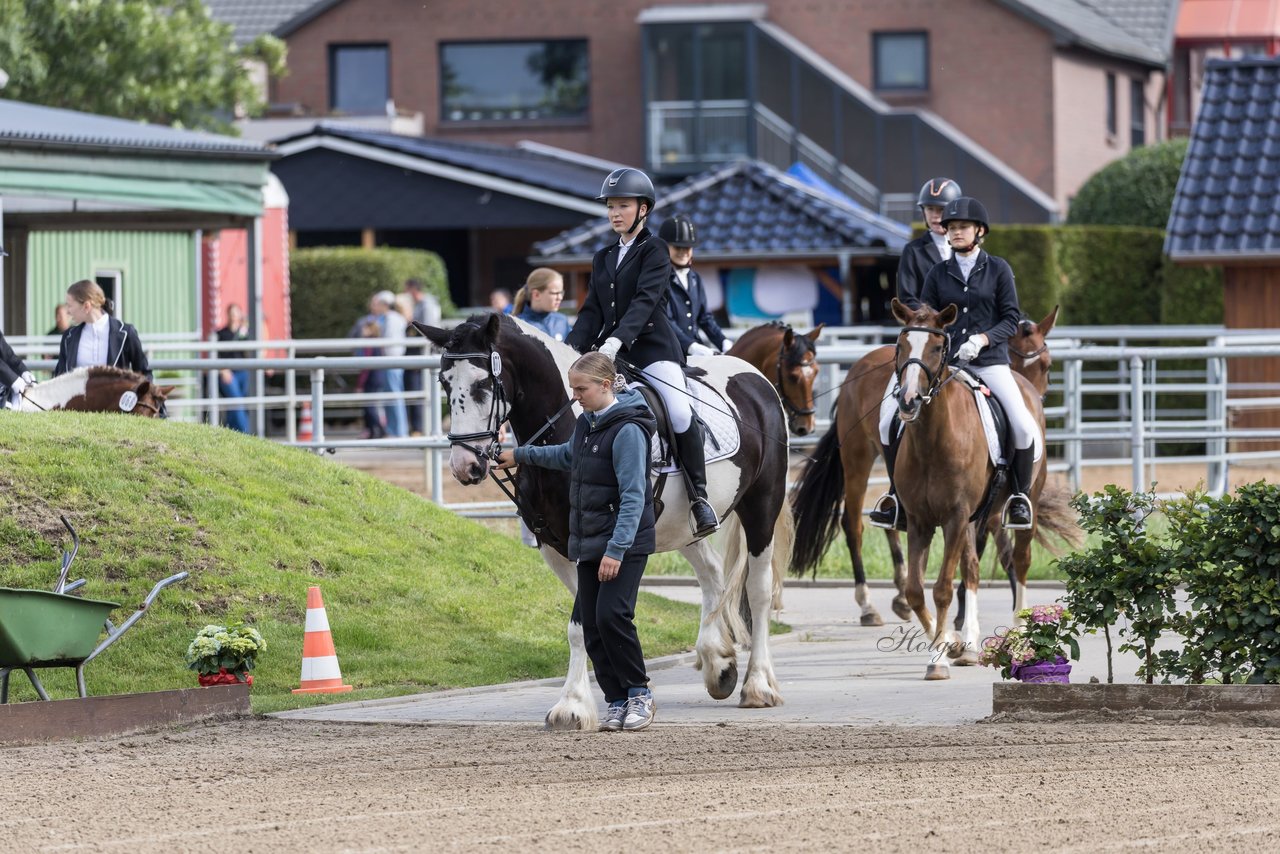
x=624 y=316
x=687 y=296
x=982 y=287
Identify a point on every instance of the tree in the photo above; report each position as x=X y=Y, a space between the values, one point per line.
x=160 y=61
x=1137 y=189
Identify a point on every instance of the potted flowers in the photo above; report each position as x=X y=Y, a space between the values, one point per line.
x=222 y=655
x=1034 y=651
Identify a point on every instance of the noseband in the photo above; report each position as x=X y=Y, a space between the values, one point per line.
x=1026 y=327
x=935 y=380
x=498 y=409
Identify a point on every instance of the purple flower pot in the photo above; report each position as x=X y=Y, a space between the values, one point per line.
x=1057 y=671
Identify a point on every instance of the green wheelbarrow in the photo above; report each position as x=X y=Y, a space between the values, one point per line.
x=55 y=629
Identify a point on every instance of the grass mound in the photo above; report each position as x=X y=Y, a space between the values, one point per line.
x=417 y=598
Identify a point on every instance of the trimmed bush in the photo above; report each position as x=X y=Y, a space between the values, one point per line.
x=1137 y=189
x=1029 y=249
x=330 y=287
x=1113 y=275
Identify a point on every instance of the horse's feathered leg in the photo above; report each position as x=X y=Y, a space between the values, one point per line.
x=576 y=709
x=717 y=658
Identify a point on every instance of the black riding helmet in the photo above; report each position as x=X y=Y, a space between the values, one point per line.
x=968 y=209
x=628 y=183
x=678 y=231
x=938 y=192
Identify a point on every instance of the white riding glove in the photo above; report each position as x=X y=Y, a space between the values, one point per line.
x=610 y=347
x=696 y=349
x=29 y=377
x=19 y=386
x=969 y=350
x=728 y=344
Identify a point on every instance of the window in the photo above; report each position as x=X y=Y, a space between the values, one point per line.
x=359 y=78
x=901 y=60
x=514 y=81
x=1138 y=114
x=110 y=281
x=1111 y=104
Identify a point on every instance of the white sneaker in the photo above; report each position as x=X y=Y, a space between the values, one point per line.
x=640 y=711
x=613 y=718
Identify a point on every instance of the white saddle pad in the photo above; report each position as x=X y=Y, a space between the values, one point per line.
x=721 y=438
x=984 y=412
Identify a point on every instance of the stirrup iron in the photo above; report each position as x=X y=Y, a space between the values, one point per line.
x=897 y=511
x=1022 y=498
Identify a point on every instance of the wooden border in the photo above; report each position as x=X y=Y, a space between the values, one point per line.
x=94 y=717
x=1107 y=702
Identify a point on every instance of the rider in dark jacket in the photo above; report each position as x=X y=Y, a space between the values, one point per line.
x=687 y=296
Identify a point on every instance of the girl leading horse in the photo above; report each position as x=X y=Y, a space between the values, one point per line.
x=497 y=369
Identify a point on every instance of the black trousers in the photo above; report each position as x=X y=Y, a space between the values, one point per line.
x=607 y=612
x=413 y=382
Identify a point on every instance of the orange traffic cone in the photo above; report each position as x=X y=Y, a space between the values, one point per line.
x=320 y=673
x=304 y=422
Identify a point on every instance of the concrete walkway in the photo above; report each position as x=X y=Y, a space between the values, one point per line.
x=830 y=670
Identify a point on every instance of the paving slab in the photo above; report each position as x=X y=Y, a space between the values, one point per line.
x=830 y=670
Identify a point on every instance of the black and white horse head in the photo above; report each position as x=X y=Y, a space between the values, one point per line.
x=497 y=369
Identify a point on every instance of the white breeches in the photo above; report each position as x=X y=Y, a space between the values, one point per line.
x=667 y=378
x=999 y=378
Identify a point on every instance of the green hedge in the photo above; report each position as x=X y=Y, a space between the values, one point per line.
x=1105 y=275
x=1137 y=189
x=330 y=287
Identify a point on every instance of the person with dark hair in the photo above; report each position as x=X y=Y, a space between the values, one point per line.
x=611 y=529
x=61 y=320
x=624 y=316
x=686 y=295
x=538 y=303
x=98 y=338
x=500 y=300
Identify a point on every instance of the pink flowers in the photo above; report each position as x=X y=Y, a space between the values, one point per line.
x=1047 y=633
x=1046 y=613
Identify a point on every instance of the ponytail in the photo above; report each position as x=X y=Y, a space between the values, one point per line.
x=522 y=299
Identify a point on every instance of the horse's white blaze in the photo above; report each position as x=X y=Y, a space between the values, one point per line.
x=911 y=385
x=57 y=392
x=1030 y=361
x=466 y=414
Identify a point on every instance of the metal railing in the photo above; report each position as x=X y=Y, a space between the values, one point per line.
x=1109 y=400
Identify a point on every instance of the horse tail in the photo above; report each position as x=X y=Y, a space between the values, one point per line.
x=1055 y=516
x=734 y=607
x=816 y=502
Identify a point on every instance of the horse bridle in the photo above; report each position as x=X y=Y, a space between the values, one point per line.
x=1023 y=327
x=782 y=386
x=498 y=409
x=936 y=381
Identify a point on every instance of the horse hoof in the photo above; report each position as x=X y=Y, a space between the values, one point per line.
x=935 y=672
x=902 y=609
x=722 y=687
x=762 y=698
x=968 y=658
x=567 y=722
x=872 y=619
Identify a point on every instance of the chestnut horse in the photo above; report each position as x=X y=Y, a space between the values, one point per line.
x=790 y=361
x=497 y=369
x=97 y=389
x=842 y=462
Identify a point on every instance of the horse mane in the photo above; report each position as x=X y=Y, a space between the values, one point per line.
x=113 y=372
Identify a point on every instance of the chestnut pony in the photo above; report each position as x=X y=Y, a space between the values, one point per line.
x=843 y=460
x=97 y=389
x=790 y=361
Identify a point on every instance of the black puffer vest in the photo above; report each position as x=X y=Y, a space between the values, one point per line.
x=593 y=486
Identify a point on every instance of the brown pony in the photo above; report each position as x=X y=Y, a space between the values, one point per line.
x=942 y=475
x=97 y=389
x=790 y=361
x=842 y=463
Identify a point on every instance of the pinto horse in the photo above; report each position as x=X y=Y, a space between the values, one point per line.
x=497 y=369
x=842 y=462
x=790 y=361
x=97 y=389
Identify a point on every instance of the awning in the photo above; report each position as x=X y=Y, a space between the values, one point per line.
x=1228 y=20
x=150 y=193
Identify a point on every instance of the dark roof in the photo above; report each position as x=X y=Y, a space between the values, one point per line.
x=747 y=209
x=30 y=125
x=544 y=167
x=252 y=18
x=1140 y=30
x=1226 y=206
x=313 y=10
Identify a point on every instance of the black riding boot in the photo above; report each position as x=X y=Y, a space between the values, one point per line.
x=694 y=462
x=1018 y=514
x=888 y=512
